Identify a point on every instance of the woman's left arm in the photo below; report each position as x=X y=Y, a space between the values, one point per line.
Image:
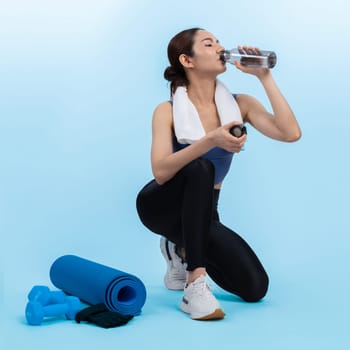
x=282 y=124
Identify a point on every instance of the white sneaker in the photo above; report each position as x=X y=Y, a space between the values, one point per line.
x=199 y=302
x=175 y=276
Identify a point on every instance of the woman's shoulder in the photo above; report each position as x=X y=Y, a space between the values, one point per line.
x=163 y=108
x=165 y=105
x=163 y=111
x=245 y=103
x=242 y=97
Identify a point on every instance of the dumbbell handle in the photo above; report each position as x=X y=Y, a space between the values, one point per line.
x=35 y=312
x=57 y=309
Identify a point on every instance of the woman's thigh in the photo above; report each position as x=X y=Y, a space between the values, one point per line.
x=180 y=208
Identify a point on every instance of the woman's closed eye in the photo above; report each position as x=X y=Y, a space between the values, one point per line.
x=209 y=42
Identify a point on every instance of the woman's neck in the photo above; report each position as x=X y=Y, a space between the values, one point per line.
x=201 y=92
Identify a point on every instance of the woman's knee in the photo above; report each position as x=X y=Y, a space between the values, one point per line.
x=144 y=199
x=200 y=168
x=140 y=200
x=256 y=288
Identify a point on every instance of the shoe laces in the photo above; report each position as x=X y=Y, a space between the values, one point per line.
x=201 y=288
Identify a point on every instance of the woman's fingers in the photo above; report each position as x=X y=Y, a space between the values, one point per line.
x=235 y=144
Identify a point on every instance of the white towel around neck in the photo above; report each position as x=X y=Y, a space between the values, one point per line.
x=187 y=124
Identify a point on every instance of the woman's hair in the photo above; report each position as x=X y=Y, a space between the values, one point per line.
x=181 y=43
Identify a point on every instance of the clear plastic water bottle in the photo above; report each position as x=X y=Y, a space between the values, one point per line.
x=250 y=57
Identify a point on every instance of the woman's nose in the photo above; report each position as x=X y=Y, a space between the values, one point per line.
x=220 y=48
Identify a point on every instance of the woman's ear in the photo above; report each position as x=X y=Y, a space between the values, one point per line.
x=186 y=61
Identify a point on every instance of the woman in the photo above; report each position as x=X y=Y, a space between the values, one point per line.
x=192 y=149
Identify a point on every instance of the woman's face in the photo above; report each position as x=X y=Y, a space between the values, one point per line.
x=206 y=56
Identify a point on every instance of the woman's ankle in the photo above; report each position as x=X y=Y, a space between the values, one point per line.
x=193 y=275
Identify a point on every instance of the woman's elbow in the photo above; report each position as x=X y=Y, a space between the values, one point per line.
x=293 y=137
x=160 y=181
x=160 y=177
x=162 y=173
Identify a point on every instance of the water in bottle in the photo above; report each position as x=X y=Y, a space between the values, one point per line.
x=250 y=57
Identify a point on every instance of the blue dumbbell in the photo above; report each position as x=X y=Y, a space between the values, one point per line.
x=35 y=312
x=44 y=296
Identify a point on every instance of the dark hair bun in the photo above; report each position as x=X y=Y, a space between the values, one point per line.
x=170 y=74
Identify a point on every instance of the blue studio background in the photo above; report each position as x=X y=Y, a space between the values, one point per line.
x=78 y=84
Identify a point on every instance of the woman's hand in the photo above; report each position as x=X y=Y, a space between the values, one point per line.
x=221 y=137
x=258 y=72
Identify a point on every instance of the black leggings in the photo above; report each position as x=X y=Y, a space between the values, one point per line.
x=184 y=210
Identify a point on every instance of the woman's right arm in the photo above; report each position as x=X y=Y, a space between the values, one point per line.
x=166 y=163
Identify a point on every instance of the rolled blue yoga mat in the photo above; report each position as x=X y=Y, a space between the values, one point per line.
x=95 y=283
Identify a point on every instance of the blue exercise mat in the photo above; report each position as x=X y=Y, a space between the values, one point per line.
x=95 y=283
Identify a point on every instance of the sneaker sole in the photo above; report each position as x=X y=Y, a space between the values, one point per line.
x=218 y=314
